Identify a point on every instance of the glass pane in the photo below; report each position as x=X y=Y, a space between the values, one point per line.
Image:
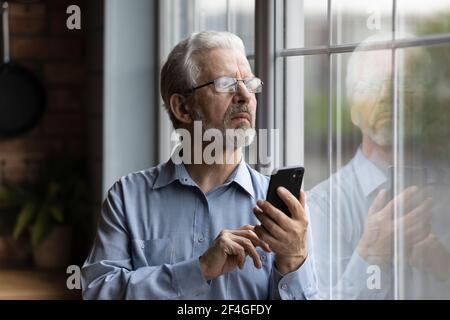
x=188 y=16
x=307 y=77
x=212 y=15
x=418 y=17
x=423 y=160
x=316 y=118
x=180 y=13
x=380 y=222
x=306 y=84
x=355 y=20
x=242 y=22
x=339 y=203
x=305 y=23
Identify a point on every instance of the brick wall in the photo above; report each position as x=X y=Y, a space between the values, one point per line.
x=70 y=65
x=94 y=103
x=41 y=42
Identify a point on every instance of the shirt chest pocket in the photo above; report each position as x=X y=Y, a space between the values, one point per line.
x=154 y=252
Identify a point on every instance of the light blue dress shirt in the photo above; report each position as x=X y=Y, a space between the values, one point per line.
x=156 y=223
x=339 y=207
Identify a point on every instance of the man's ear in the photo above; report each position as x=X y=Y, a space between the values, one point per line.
x=179 y=108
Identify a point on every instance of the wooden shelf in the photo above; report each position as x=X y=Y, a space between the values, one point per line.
x=30 y=284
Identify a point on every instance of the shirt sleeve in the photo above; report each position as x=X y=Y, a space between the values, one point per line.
x=297 y=285
x=356 y=281
x=343 y=274
x=108 y=272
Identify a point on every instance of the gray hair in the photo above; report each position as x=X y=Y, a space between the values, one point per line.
x=180 y=72
x=360 y=58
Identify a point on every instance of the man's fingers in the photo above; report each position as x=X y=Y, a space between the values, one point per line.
x=238 y=251
x=269 y=224
x=276 y=215
x=302 y=198
x=421 y=214
x=293 y=204
x=266 y=236
x=416 y=224
x=249 y=249
x=253 y=237
x=378 y=203
x=247 y=227
x=417 y=233
x=403 y=197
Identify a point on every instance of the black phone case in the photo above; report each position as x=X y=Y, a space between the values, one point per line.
x=289 y=177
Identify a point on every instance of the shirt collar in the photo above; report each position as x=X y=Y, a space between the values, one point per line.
x=241 y=176
x=166 y=175
x=170 y=172
x=369 y=176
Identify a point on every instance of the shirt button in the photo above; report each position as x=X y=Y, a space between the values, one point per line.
x=284 y=286
x=201 y=239
x=263 y=257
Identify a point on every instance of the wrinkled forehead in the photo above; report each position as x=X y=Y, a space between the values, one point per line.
x=222 y=62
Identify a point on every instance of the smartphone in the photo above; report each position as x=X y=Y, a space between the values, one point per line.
x=289 y=177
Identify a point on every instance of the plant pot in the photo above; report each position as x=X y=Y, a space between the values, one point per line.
x=54 y=251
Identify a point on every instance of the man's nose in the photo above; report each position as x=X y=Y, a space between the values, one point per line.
x=242 y=94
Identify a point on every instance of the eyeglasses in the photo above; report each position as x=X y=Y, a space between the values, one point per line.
x=230 y=84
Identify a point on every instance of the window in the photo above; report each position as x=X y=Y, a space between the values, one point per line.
x=180 y=18
x=359 y=92
x=363 y=102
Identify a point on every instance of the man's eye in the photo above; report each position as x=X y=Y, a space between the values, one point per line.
x=225 y=83
x=253 y=83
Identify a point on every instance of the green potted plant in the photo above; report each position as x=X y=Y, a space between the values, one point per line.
x=13 y=252
x=51 y=208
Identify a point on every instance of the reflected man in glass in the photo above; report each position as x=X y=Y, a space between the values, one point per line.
x=380 y=222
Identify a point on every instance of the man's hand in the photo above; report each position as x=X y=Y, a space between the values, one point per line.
x=430 y=255
x=285 y=235
x=377 y=242
x=229 y=251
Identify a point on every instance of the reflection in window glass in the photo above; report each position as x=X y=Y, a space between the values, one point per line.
x=339 y=205
x=419 y=18
x=423 y=160
x=380 y=222
x=355 y=20
x=377 y=151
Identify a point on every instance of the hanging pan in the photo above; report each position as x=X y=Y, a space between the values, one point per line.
x=22 y=96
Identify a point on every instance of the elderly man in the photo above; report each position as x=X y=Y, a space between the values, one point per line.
x=190 y=230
